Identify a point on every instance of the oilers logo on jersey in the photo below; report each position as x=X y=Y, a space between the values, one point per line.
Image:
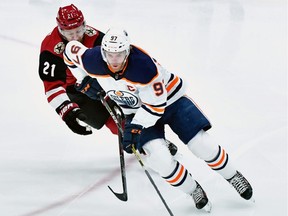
x=123 y=98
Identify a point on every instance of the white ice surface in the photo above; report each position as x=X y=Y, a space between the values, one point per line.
x=233 y=55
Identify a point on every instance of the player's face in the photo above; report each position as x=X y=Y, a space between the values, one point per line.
x=116 y=60
x=74 y=34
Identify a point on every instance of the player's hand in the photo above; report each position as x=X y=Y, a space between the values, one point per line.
x=101 y=93
x=71 y=114
x=132 y=133
x=90 y=87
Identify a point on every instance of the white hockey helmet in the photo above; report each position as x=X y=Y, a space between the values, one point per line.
x=115 y=40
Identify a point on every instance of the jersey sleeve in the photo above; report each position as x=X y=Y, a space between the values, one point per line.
x=52 y=71
x=73 y=59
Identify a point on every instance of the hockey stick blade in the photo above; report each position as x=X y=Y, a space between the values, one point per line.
x=120 y=196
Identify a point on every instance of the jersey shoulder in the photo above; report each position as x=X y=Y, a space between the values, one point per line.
x=53 y=43
x=51 y=65
x=93 y=61
x=92 y=37
x=142 y=68
x=73 y=53
x=90 y=59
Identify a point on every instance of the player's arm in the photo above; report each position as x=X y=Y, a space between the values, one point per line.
x=52 y=72
x=152 y=93
x=73 y=59
x=153 y=97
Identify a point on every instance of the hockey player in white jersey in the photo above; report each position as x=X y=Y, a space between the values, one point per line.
x=152 y=97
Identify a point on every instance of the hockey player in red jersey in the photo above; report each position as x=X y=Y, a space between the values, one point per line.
x=58 y=80
x=152 y=97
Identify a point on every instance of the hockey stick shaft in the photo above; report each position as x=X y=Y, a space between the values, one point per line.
x=122 y=196
x=108 y=108
x=104 y=102
x=151 y=180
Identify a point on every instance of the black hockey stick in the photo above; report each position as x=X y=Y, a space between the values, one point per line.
x=104 y=102
x=117 y=119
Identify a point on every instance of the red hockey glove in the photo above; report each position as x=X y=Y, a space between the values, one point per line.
x=71 y=114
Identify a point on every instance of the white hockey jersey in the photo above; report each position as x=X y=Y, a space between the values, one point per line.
x=143 y=87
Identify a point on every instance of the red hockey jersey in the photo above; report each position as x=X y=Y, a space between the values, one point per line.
x=56 y=77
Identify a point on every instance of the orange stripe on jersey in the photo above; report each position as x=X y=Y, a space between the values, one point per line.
x=67 y=61
x=172 y=84
x=157 y=109
x=96 y=75
x=178 y=176
x=220 y=161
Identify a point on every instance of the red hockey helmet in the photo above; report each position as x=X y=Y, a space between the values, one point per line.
x=69 y=17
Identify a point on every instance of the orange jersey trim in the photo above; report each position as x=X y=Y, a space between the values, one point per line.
x=68 y=62
x=172 y=84
x=159 y=110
